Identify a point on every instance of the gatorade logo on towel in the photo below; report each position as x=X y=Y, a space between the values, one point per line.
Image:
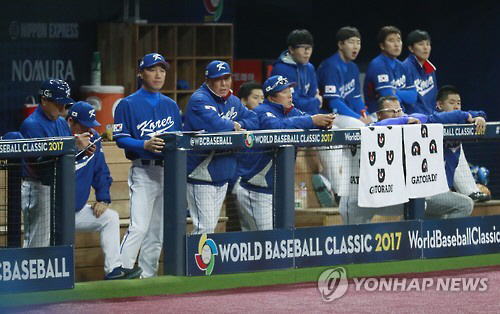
x=425 y=173
x=381 y=180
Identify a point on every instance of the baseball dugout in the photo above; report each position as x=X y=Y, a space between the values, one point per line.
x=295 y=185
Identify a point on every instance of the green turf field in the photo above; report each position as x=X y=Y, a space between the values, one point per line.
x=175 y=285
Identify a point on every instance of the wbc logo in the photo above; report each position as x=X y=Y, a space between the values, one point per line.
x=381 y=175
x=372 y=157
x=433 y=147
x=390 y=156
x=380 y=139
x=415 y=149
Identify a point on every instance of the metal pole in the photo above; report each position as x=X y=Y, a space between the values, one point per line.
x=284 y=212
x=415 y=209
x=174 y=209
x=65 y=200
x=14 y=203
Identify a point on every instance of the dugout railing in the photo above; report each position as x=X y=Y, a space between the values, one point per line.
x=50 y=266
x=284 y=141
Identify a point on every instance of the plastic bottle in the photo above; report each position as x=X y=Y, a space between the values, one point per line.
x=303 y=194
x=95 y=71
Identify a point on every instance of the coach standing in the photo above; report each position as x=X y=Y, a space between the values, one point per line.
x=213 y=108
x=139 y=118
x=46 y=121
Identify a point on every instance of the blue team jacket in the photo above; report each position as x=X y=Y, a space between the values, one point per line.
x=140 y=116
x=339 y=83
x=387 y=77
x=424 y=80
x=305 y=77
x=209 y=112
x=255 y=167
x=92 y=171
x=37 y=125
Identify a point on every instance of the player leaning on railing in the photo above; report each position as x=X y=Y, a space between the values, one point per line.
x=46 y=121
x=257 y=184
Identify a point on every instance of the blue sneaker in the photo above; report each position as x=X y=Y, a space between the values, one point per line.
x=124 y=273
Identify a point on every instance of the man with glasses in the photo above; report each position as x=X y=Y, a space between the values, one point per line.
x=294 y=64
x=46 y=121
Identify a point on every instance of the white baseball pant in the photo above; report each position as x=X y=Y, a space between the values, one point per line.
x=145 y=231
x=331 y=159
x=463 y=181
x=444 y=205
x=108 y=226
x=204 y=205
x=256 y=208
x=35 y=202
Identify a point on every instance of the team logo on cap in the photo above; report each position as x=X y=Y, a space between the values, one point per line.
x=220 y=66
x=281 y=81
x=205 y=259
x=91 y=113
x=157 y=56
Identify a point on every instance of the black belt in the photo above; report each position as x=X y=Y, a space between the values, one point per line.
x=152 y=162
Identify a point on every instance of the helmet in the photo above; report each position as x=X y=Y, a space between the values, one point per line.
x=57 y=91
x=480 y=174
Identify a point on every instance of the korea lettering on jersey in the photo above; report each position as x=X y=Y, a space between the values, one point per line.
x=424 y=86
x=337 y=77
x=135 y=117
x=384 y=73
x=141 y=121
x=398 y=83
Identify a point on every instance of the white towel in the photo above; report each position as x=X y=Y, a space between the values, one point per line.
x=381 y=181
x=425 y=174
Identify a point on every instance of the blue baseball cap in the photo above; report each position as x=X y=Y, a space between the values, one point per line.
x=217 y=68
x=276 y=84
x=57 y=91
x=152 y=59
x=84 y=113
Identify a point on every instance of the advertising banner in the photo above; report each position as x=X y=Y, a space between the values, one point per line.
x=36 y=269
